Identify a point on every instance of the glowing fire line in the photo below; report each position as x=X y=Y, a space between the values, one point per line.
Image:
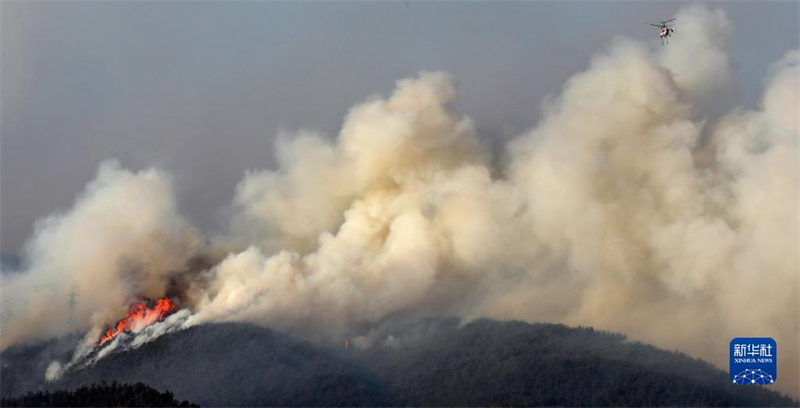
x=138 y=317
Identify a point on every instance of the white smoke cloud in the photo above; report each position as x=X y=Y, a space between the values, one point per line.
x=120 y=240
x=637 y=205
x=699 y=64
x=378 y=211
x=652 y=242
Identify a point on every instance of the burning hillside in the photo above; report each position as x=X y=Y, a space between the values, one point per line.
x=145 y=321
x=140 y=315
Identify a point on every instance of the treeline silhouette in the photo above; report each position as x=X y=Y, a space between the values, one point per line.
x=99 y=395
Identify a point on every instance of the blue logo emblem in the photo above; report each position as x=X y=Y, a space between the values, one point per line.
x=754 y=361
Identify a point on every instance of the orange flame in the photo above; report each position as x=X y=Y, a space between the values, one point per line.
x=139 y=316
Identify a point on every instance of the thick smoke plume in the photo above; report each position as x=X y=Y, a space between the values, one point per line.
x=636 y=205
x=119 y=241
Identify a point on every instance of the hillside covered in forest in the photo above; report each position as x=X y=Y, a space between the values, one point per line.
x=428 y=362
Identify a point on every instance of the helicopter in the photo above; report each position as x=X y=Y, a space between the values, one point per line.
x=664 y=30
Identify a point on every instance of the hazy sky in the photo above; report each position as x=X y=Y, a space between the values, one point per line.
x=203 y=88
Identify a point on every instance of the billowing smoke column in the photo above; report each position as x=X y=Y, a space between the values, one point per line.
x=121 y=241
x=635 y=205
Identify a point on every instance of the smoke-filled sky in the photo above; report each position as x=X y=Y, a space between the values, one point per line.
x=203 y=88
x=526 y=161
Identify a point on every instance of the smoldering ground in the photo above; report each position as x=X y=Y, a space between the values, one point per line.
x=640 y=203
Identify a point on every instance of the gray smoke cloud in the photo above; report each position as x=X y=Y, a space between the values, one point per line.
x=641 y=203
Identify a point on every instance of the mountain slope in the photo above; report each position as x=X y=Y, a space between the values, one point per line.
x=233 y=364
x=513 y=363
x=421 y=362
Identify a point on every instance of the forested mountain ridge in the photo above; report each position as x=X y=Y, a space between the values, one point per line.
x=427 y=362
